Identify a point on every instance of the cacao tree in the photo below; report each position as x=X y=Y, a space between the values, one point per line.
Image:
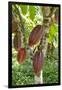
x=34 y=34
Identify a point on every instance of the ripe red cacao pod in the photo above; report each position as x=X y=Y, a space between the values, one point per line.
x=14 y=24
x=36 y=35
x=21 y=55
x=17 y=40
x=38 y=59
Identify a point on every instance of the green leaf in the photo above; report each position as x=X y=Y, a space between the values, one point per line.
x=32 y=11
x=24 y=9
x=55 y=43
x=53 y=29
x=50 y=39
x=27 y=32
x=53 y=33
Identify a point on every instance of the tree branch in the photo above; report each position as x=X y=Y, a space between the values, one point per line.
x=23 y=30
x=22 y=25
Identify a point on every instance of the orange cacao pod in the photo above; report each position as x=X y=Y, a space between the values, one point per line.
x=38 y=62
x=17 y=40
x=21 y=55
x=35 y=35
x=14 y=24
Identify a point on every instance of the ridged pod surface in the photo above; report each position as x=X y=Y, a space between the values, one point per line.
x=17 y=40
x=38 y=59
x=36 y=35
x=21 y=55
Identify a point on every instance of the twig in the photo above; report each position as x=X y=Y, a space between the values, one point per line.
x=23 y=29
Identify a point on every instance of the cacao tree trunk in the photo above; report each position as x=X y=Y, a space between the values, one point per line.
x=46 y=24
x=39 y=79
